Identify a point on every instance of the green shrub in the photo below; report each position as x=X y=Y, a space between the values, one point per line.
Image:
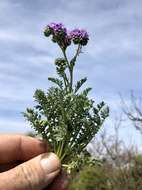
x=105 y=177
x=92 y=178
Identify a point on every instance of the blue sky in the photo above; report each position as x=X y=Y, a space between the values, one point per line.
x=112 y=61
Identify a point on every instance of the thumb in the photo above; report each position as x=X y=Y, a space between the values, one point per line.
x=34 y=174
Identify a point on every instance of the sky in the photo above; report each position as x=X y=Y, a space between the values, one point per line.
x=112 y=60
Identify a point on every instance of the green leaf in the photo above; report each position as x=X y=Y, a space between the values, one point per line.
x=86 y=91
x=79 y=84
x=56 y=81
x=72 y=62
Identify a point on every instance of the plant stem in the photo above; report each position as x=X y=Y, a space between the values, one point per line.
x=71 y=78
x=70 y=70
x=77 y=53
x=66 y=82
x=71 y=65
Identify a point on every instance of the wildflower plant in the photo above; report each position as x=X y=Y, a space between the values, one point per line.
x=64 y=115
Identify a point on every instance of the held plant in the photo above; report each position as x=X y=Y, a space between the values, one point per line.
x=64 y=116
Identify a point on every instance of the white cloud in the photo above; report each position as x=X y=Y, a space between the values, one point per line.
x=13 y=127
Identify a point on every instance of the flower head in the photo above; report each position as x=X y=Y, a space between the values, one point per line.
x=79 y=36
x=59 y=34
x=57 y=28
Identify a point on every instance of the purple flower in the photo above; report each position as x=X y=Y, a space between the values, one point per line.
x=63 y=37
x=79 y=36
x=56 y=29
x=59 y=34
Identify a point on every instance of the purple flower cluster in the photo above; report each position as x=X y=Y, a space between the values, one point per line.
x=79 y=36
x=57 y=29
x=61 y=36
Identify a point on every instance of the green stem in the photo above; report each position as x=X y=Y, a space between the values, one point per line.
x=65 y=165
x=71 y=66
x=77 y=52
x=61 y=149
x=65 y=56
x=70 y=70
x=66 y=82
x=71 y=80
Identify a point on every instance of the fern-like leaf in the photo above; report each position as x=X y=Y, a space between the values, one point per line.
x=56 y=81
x=79 y=84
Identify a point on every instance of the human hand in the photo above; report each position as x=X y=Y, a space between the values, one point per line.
x=24 y=165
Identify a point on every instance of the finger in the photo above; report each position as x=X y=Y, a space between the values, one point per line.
x=20 y=147
x=34 y=174
x=5 y=167
x=61 y=182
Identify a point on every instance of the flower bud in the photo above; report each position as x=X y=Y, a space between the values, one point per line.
x=47 y=32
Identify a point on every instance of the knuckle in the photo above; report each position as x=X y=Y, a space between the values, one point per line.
x=29 y=176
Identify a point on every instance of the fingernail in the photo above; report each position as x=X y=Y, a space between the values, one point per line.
x=50 y=163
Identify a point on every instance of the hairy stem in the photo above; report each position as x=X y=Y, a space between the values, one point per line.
x=70 y=70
